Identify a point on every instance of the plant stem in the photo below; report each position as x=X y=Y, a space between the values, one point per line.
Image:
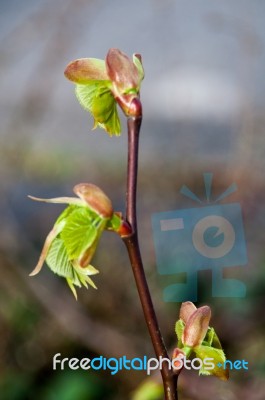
x=132 y=244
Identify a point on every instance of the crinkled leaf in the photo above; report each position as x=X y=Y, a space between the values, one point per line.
x=215 y=341
x=65 y=214
x=103 y=104
x=80 y=232
x=218 y=357
x=72 y=287
x=113 y=124
x=211 y=339
x=97 y=98
x=89 y=270
x=179 y=328
x=81 y=278
x=58 y=261
x=86 y=95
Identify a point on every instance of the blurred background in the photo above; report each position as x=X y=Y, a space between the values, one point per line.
x=204 y=111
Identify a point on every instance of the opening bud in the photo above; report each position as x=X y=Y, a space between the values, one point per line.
x=95 y=198
x=196 y=327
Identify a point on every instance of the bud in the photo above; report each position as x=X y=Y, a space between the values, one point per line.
x=196 y=327
x=126 y=78
x=177 y=355
x=130 y=104
x=101 y=84
x=85 y=70
x=95 y=198
x=121 y=71
x=186 y=310
x=125 y=229
x=71 y=244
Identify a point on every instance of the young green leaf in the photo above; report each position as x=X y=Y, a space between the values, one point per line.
x=138 y=63
x=112 y=125
x=115 y=222
x=215 y=341
x=71 y=244
x=101 y=85
x=58 y=261
x=218 y=357
x=195 y=336
x=97 y=98
x=80 y=231
x=211 y=339
x=179 y=328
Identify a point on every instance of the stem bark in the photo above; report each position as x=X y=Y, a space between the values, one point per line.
x=132 y=245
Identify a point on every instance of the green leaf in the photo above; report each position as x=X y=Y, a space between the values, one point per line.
x=208 y=337
x=139 y=67
x=57 y=260
x=218 y=359
x=80 y=232
x=187 y=351
x=179 y=328
x=215 y=341
x=103 y=104
x=65 y=214
x=85 y=279
x=71 y=286
x=81 y=278
x=114 y=223
x=113 y=124
x=211 y=339
x=97 y=98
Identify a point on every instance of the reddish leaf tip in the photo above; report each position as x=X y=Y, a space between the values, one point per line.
x=196 y=327
x=186 y=310
x=84 y=70
x=95 y=198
